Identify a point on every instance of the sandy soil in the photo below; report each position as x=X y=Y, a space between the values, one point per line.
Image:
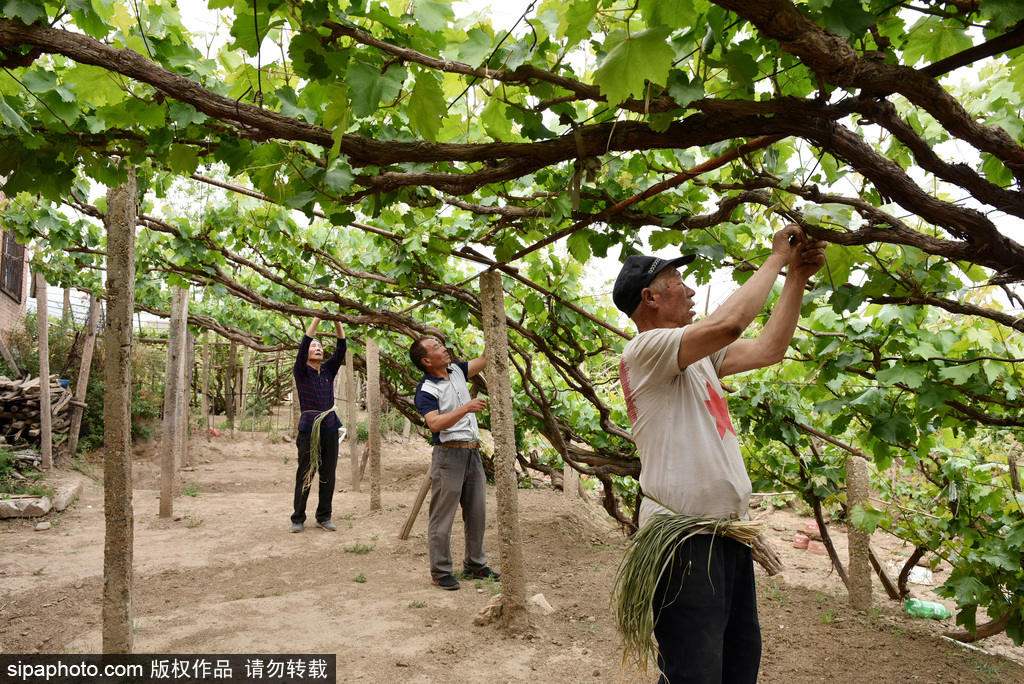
x=228 y=577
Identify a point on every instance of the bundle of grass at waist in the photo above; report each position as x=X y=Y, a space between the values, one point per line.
x=314 y=448
x=648 y=558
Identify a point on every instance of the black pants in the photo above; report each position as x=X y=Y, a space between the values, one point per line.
x=325 y=476
x=705 y=614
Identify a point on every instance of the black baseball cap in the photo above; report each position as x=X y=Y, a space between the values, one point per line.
x=637 y=273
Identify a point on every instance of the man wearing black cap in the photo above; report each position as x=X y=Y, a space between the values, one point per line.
x=706 y=626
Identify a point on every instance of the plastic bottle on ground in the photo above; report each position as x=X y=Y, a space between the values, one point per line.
x=926 y=609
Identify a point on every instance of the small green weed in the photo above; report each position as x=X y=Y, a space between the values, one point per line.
x=191 y=489
x=829 y=617
x=359 y=547
x=361 y=578
x=39 y=571
x=237 y=595
x=418 y=604
x=989 y=670
x=776 y=593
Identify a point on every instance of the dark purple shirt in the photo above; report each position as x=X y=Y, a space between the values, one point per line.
x=316 y=387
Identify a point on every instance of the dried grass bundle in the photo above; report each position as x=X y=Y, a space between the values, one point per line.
x=646 y=561
x=314 y=448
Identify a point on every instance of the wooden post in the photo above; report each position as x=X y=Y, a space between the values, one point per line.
x=373 y=419
x=82 y=378
x=118 y=614
x=207 y=405
x=184 y=384
x=169 y=448
x=406 y=430
x=858 y=489
x=353 y=426
x=416 y=506
x=45 y=409
x=9 y=358
x=65 y=314
x=571 y=482
x=243 y=387
x=513 y=578
x=229 y=386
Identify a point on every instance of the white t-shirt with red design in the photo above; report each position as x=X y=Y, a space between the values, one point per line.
x=689 y=452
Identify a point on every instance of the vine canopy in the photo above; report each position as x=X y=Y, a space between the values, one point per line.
x=364 y=160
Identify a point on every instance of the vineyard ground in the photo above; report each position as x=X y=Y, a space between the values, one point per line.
x=229 y=577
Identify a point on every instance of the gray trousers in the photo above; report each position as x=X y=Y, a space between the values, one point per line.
x=456 y=478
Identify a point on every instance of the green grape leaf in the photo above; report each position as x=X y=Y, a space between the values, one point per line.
x=575 y=21
x=433 y=16
x=427 y=106
x=632 y=61
x=10 y=117
x=475 y=48
x=865 y=517
x=28 y=12
x=671 y=13
x=496 y=120
x=183 y=159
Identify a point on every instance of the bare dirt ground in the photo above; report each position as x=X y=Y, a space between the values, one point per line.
x=228 y=577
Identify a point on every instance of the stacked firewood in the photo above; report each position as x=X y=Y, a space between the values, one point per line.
x=19 y=409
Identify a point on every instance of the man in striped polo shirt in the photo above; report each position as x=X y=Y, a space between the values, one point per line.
x=456 y=472
x=314 y=379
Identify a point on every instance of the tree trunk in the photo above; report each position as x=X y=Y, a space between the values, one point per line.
x=513 y=579
x=764 y=554
x=373 y=418
x=353 y=427
x=118 y=617
x=45 y=410
x=82 y=378
x=171 y=435
x=65 y=313
x=858 y=489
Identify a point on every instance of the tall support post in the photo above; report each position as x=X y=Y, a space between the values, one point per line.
x=229 y=387
x=373 y=419
x=571 y=482
x=353 y=427
x=66 y=313
x=858 y=489
x=206 y=405
x=118 y=614
x=171 y=434
x=243 y=386
x=45 y=408
x=499 y=386
x=184 y=384
x=82 y=379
